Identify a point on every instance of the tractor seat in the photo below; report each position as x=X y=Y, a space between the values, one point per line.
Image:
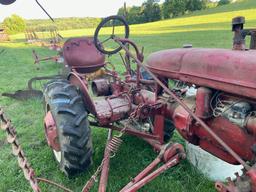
x=81 y=54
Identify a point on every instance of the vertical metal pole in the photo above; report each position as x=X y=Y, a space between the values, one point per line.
x=253 y=40
x=105 y=169
x=127 y=57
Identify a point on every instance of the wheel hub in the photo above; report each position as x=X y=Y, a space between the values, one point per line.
x=51 y=133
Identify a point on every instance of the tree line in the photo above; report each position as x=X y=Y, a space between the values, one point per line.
x=151 y=10
x=16 y=24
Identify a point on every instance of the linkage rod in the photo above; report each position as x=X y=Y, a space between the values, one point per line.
x=202 y=123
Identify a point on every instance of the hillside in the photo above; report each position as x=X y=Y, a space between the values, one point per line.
x=216 y=19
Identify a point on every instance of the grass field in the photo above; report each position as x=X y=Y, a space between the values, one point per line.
x=208 y=28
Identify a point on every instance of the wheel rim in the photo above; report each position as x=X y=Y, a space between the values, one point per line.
x=51 y=133
x=57 y=155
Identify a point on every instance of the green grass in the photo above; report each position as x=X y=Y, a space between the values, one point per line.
x=208 y=28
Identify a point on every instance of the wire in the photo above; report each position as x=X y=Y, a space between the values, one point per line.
x=45 y=11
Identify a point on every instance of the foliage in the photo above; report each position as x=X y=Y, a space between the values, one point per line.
x=211 y=4
x=174 y=8
x=14 y=24
x=133 y=14
x=194 y=5
x=151 y=11
x=223 y=2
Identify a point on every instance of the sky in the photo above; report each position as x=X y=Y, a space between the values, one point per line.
x=28 y=9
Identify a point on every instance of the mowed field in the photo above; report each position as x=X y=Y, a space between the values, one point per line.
x=208 y=28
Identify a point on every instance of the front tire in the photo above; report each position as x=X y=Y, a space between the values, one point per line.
x=65 y=104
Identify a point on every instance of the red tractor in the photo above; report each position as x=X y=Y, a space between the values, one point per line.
x=220 y=118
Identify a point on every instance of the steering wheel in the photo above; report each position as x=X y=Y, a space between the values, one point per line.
x=111 y=21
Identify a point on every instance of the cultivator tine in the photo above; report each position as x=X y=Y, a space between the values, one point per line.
x=36 y=58
x=17 y=151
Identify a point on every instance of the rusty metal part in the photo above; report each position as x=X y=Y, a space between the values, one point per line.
x=101 y=87
x=51 y=132
x=226 y=70
x=240 y=184
x=56 y=58
x=80 y=81
x=203 y=97
x=24 y=94
x=179 y=101
x=106 y=165
x=81 y=54
x=39 y=179
x=113 y=108
x=30 y=92
x=113 y=144
x=22 y=160
x=170 y=155
x=18 y=152
x=51 y=77
x=253 y=39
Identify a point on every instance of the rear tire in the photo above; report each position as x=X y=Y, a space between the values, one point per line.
x=74 y=135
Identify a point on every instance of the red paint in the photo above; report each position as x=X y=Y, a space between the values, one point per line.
x=252 y=174
x=221 y=69
x=51 y=132
x=82 y=55
x=203 y=98
x=159 y=127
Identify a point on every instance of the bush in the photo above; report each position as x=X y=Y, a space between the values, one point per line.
x=14 y=24
x=223 y=2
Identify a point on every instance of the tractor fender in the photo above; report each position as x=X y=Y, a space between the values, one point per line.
x=82 y=84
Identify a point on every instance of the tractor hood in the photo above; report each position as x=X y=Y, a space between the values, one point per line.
x=227 y=70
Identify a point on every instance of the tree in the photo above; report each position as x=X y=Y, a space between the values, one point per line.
x=173 y=8
x=194 y=5
x=223 y=2
x=14 y=24
x=133 y=14
x=166 y=9
x=151 y=10
x=121 y=12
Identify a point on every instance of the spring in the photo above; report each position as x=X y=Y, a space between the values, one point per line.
x=114 y=144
